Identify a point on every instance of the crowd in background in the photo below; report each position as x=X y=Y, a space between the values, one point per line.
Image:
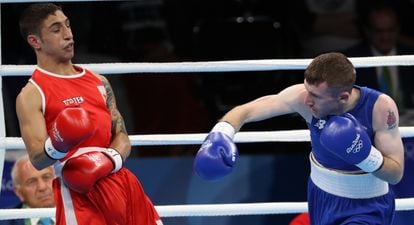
x=165 y=31
x=168 y=31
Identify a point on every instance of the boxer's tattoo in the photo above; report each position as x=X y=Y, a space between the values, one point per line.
x=391 y=120
x=118 y=124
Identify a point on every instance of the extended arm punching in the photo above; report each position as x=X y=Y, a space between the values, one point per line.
x=218 y=153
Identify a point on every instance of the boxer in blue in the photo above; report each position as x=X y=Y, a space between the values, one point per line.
x=357 y=151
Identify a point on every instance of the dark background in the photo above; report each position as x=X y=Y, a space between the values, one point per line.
x=171 y=31
x=193 y=30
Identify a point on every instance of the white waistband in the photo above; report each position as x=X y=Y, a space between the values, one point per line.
x=356 y=186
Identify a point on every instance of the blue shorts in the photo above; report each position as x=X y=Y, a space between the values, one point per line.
x=328 y=209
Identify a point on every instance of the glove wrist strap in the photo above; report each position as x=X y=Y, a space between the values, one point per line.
x=115 y=157
x=224 y=127
x=373 y=162
x=52 y=152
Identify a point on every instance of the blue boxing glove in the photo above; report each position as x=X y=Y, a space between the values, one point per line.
x=217 y=154
x=345 y=137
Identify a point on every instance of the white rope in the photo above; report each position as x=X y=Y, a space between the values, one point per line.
x=195 y=139
x=238 y=209
x=214 y=66
x=175 y=139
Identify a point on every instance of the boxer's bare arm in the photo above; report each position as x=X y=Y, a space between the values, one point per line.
x=388 y=139
x=32 y=125
x=120 y=140
x=289 y=100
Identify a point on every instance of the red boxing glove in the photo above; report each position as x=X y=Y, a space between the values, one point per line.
x=71 y=127
x=301 y=219
x=80 y=173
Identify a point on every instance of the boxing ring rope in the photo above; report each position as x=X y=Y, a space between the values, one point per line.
x=215 y=66
x=182 y=139
x=188 y=139
x=239 y=209
x=195 y=139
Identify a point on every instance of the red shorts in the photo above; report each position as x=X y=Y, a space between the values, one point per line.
x=117 y=199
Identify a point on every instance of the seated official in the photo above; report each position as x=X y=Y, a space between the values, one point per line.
x=34 y=189
x=381 y=30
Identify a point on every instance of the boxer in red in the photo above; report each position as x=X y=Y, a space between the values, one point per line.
x=68 y=117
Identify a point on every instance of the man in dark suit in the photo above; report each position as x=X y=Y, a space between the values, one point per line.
x=380 y=26
x=34 y=189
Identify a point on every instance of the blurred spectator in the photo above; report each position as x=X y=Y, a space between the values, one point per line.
x=405 y=12
x=163 y=103
x=34 y=189
x=325 y=26
x=380 y=27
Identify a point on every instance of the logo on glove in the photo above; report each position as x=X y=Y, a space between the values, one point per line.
x=207 y=144
x=94 y=158
x=233 y=156
x=356 y=146
x=56 y=133
x=320 y=124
